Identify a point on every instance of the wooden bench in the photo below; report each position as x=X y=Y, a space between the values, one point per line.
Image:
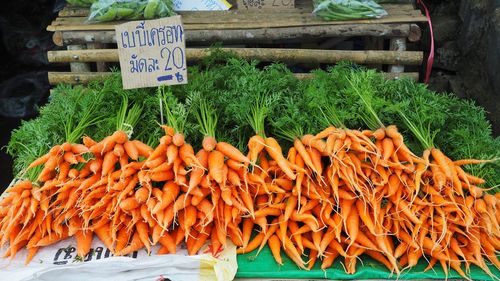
x=91 y=46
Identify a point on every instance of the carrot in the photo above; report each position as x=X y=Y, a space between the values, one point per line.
x=190 y=215
x=31 y=254
x=274 y=245
x=131 y=150
x=142 y=148
x=167 y=241
x=141 y=195
x=246 y=231
x=329 y=258
x=252 y=245
x=178 y=139
x=51 y=239
x=169 y=131
x=301 y=150
x=19 y=187
x=39 y=161
x=292 y=252
x=216 y=244
x=122 y=239
x=156 y=162
x=142 y=230
x=200 y=240
x=129 y=204
x=231 y=152
x=83 y=242
x=379 y=134
x=108 y=163
x=186 y=153
x=134 y=245
x=274 y=150
x=216 y=165
x=256 y=144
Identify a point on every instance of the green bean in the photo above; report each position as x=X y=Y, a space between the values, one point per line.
x=109 y=10
x=347 y=9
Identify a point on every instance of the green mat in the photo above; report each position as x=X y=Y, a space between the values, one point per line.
x=264 y=266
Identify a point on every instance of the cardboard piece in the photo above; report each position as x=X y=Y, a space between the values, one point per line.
x=265 y=4
x=152 y=52
x=201 y=5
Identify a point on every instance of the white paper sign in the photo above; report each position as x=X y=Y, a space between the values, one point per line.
x=201 y=5
x=152 y=52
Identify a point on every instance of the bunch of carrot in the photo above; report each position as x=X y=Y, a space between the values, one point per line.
x=341 y=192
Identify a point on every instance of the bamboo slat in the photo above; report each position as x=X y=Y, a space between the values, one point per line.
x=262 y=54
x=62 y=38
x=261 y=23
x=86 y=77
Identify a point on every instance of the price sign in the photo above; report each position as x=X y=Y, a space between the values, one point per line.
x=265 y=4
x=152 y=52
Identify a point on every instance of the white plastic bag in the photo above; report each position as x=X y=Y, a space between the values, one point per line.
x=59 y=262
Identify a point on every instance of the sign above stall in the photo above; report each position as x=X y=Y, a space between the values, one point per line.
x=265 y=4
x=152 y=52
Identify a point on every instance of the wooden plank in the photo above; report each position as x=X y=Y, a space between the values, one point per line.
x=415 y=33
x=85 y=77
x=308 y=21
x=250 y=16
x=77 y=66
x=62 y=38
x=75 y=77
x=262 y=54
x=244 y=18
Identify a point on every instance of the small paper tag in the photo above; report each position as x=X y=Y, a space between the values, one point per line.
x=265 y=4
x=152 y=52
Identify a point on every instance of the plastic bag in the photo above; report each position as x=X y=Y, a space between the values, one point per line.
x=395 y=1
x=348 y=9
x=111 y=10
x=59 y=262
x=20 y=95
x=81 y=3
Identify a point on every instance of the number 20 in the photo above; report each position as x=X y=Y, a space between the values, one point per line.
x=176 y=56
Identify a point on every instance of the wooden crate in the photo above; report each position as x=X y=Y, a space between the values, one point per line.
x=94 y=43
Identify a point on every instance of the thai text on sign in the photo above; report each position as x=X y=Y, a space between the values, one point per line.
x=152 y=52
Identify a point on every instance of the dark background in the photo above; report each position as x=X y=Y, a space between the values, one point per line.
x=467 y=34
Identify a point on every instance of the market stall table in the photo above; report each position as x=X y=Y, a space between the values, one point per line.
x=93 y=42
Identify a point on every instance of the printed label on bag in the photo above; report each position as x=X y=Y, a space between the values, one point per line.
x=152 y=52
x=265 y=4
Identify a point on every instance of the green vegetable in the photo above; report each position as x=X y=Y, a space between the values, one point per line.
x=347 y=9
x=81 y=3
x=111 y=10
x=150 y=10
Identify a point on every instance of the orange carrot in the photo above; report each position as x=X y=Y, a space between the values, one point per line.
x=231 y=152
x=274 y=150
x=83 y=242
x=275 y=246
x=216 y=165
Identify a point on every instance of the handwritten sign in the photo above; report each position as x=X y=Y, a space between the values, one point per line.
x=265 y=4
x=152 y=52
